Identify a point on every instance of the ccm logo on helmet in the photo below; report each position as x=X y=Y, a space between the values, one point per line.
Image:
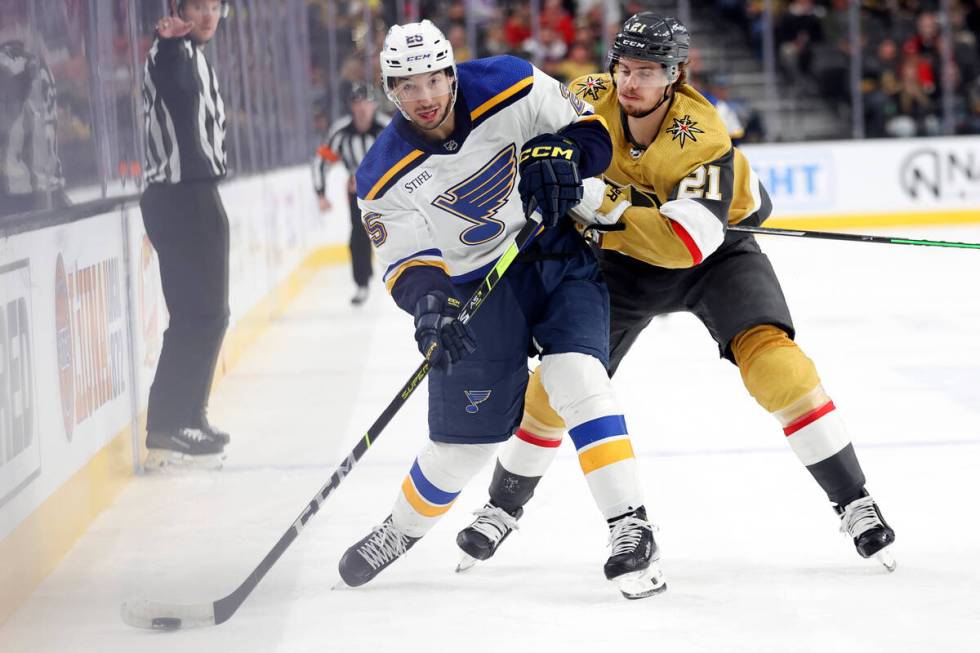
x=418 y=57
x=547 y=152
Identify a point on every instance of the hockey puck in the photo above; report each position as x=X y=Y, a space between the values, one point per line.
x=165 y=623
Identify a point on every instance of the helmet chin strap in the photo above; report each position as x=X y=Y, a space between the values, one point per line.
x=657 y=105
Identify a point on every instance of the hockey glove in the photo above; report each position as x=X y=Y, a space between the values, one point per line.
x=549 y=176
x=441 y=337
x=602 y=203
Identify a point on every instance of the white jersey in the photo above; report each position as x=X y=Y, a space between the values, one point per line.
x=454 y=204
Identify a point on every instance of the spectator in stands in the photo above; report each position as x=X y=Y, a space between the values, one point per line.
x=881 y=87
x=797 y=31
x=457 y=36
x=494 y=41
x=517 y=30
x=971 y=122
x=917 y=110
x=578 y=62
x=555 y=18
x=30 y=169
x=548 y=51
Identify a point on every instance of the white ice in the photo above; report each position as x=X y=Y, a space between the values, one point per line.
x=750 y=546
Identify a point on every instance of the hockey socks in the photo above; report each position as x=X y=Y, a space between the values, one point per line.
x=436 y=478
x=522 y=462
x=605 y=455
x=820 y=441
x=580 y=391
x=785 y=382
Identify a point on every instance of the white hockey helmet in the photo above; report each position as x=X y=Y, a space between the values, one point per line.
x=412 y=49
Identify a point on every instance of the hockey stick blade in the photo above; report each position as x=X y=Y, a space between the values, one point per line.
x=153 y=615
x=168 y=616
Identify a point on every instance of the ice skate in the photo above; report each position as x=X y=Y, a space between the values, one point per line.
x=188 y=448
x=873 y=537
x=216 y=433
x=633 y=562
x=479 y=540
x=373 y=553
x=360 y=296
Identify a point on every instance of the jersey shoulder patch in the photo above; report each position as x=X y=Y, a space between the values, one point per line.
x=388 y=160
x=492 y=83
x=592 y=88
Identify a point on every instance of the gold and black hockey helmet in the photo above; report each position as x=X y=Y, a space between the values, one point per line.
x=648 y=37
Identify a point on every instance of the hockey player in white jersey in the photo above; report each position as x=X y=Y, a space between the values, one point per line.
x=443 y=191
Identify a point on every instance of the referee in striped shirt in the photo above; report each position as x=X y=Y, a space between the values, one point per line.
x=186 y=222
x=348 y=142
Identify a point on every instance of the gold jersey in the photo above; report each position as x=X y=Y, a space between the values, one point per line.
x=684 y=188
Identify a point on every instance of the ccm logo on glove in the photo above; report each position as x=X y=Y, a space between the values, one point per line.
x=548 y=152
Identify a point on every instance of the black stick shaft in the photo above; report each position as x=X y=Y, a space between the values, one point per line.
x=224 y=608
x=828 y=235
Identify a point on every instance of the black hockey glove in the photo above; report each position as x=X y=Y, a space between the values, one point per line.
x=441 y=337
x=549 y=175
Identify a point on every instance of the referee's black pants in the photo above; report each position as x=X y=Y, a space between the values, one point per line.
x=360 y=244
x=187 y=225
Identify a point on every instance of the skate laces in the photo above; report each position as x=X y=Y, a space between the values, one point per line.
x=859 y=516
x=196 y=435
x=626 y=534
x=383 y=545
x=493 y=522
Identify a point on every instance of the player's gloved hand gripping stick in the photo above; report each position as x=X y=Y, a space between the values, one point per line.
x=443 y=338
x=550 y=176
x=169 y=616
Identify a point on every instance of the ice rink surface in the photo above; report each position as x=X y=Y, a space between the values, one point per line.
x=750 y=547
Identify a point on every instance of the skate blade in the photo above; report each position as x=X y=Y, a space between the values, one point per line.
x=164 y=460
x=466 y=562
x=641 y=584
x=887 y=560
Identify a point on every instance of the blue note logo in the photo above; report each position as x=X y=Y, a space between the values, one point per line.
x=476 y=397
x=480 y=196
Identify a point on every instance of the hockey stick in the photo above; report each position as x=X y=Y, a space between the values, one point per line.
x=169 y=616
x=827 y=235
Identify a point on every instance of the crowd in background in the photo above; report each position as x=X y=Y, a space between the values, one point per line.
x=902 y=47
x=901 y=43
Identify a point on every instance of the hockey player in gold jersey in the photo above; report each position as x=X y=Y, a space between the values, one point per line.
x=659 y=219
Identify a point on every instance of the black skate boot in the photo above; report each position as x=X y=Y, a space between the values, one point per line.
x=360 y=296
x=479 y=540
x=862 y=520
x=215 y=432
x=373 y=553
x=633 y=562
x=183 y=447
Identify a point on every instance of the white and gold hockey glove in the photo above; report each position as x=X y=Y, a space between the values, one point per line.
x=601 y=207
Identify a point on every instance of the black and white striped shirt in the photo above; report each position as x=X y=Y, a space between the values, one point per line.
x=184 y=114
x=346 y=144
x=29 y=162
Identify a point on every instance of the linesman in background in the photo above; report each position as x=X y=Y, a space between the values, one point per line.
x=348 y=142
x=186 y=222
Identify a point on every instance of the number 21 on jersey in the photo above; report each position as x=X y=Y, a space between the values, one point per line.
x=693 y=184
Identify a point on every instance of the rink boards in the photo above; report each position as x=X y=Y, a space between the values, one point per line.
x=82 y=317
